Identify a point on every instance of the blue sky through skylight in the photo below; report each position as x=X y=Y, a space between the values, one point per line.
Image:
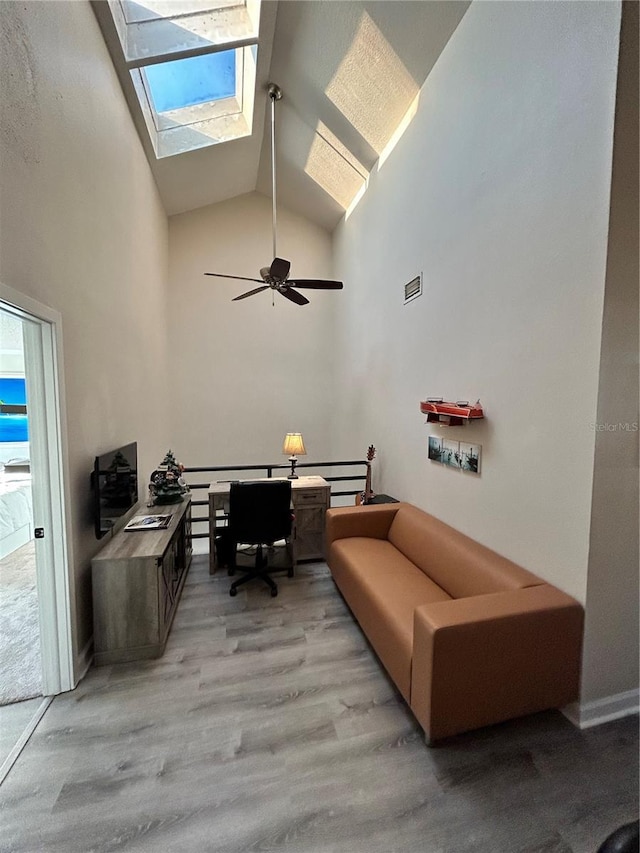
x=185 y=82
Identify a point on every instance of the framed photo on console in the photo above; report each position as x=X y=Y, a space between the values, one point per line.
x=148 y=522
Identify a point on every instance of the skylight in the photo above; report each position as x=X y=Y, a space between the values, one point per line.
x=151 y=10
x=197 y=80
x=193 y=67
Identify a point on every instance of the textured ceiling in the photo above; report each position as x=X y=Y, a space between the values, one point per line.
x=355 y=67
x=348 y=71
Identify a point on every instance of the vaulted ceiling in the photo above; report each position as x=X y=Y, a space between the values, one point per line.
x=349 y=70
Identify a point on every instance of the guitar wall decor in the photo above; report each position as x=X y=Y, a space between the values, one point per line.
x=367 y=496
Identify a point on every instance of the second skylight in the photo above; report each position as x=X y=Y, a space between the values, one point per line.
x=187 y=82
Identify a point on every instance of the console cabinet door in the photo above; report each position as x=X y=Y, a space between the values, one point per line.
x=310 y=507
x=166 y=594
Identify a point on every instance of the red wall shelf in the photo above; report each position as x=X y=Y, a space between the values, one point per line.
x=451 y=414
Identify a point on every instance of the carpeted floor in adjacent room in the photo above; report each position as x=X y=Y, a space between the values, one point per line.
x=20 y=661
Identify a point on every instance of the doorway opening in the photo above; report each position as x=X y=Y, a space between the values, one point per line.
x=20 y=658
x=36 y=657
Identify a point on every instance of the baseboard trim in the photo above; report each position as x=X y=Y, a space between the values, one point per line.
x=85 y=659
x=584 y=715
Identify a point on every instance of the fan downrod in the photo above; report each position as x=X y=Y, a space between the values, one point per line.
x=276 y=276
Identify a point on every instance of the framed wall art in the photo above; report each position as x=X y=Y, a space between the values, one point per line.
x=470 y=456
x=461 y=455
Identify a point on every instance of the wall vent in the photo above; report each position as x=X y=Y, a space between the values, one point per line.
x=413 y=289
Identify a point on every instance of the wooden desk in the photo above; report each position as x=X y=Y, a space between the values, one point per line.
x=310 y=496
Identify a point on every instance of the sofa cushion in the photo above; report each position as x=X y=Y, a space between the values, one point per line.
x=458 y=564
x=383 y=588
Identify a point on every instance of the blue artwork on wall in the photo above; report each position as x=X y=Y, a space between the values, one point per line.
x=13 y=428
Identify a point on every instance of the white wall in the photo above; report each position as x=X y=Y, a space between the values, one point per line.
x=611 y=631
x=83 y=231
x=245 y=373
x=499 y=192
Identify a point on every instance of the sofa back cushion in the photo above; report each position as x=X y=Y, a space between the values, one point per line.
x=458 y=564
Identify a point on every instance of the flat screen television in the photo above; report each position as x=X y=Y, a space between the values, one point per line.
x=114 y=483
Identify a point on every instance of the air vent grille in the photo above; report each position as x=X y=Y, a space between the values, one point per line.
x=413 y=289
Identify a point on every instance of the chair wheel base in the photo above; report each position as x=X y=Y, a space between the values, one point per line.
x=623 y=840
x=233 y=592
x=274 y=592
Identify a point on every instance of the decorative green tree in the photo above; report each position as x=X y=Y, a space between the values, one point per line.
x=166 y=484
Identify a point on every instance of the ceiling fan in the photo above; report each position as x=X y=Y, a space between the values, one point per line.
x=276 y=276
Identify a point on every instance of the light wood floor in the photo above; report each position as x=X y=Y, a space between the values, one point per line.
x=268 y=725
x=13 y=721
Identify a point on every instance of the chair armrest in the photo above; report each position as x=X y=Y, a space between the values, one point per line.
x=370 y=521
x=488 y=658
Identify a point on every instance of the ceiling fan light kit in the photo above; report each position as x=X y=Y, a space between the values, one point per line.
x=276 y=276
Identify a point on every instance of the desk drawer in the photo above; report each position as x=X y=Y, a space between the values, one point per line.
x=309 y=497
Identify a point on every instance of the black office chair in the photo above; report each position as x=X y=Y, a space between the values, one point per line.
x=260 y=514
x=626 y=839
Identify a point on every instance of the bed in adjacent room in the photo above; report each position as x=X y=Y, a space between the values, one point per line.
x=16 y=511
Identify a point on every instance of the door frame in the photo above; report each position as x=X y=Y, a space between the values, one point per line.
x=42 y=332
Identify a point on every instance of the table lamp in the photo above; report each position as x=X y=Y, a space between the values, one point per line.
x=293 y=447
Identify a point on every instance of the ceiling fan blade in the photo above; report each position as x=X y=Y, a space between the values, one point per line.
x=238 y=277
x=279 y=269
x=316 y=284
x=251 y=292
x=298 y=298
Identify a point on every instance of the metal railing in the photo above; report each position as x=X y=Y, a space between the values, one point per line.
x=321 y=469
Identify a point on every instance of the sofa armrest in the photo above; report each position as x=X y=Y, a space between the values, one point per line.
x=370 y=521
x=487 y=658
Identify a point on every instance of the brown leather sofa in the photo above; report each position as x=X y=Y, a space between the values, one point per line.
x=468 y=637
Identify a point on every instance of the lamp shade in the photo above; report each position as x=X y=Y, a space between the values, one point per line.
x=293 y=444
